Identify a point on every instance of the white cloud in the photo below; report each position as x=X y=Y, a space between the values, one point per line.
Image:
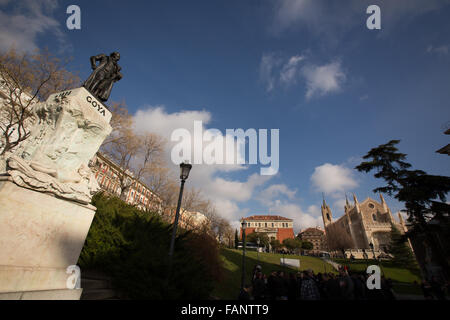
x=26 y=21
x=285 y=72
x=441 y=50
x=321 y=80
x=290 y=12
x=273 y=193
x=290 y=70
x=332 y=179
x=302 y=219
x=156 y=119
x=281 y=200
x=269 y=62
x=236 y=190
x=226 y=194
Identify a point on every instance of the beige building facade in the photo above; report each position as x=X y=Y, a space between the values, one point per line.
x=316 y=236
x=107 y=174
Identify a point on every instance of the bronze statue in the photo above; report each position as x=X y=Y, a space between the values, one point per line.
x=103 y=76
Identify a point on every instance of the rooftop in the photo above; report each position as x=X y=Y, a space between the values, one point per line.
x=267 y=218
x=312 y=230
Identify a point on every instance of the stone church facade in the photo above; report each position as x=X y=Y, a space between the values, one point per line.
x=363 y=223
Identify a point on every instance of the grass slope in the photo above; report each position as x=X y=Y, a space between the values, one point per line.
x=403 y=278
x=229 y=287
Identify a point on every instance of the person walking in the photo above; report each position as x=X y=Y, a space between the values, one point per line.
x=259 y=287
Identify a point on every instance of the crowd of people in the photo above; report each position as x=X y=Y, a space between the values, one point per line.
x=434 y=289
x=307 y=285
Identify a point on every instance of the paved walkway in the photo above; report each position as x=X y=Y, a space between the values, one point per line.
x=408 y=297
x=335 y=265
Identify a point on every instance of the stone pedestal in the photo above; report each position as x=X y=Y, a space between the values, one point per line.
x=45 y=193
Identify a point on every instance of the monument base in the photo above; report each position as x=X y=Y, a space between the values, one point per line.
x=65 y=294
x=40 y=237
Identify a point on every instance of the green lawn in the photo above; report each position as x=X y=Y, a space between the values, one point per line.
x=396 y=273
x=403 y=278
x=229 y=287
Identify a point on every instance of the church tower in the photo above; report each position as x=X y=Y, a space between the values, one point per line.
x=326 y=214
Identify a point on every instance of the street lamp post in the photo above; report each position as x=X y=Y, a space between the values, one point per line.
x=185 y=168
x=373 y=251
x=378 y=260
x=365 y=257
x=257 y=251
x=243 y=255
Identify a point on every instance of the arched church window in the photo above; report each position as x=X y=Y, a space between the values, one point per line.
x=371 y=206
x=374 y=217
x=328 y=216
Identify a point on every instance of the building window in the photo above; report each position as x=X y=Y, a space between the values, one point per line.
x=371 y=206
x=374 y=217
x=266 y=224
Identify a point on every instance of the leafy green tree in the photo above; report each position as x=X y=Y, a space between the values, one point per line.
x=263 y=238
x=424 y=195
x=400 y=249
x=307 y=245
x=292 y=244
x=275 y=244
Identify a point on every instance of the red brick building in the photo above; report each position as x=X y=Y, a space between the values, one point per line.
x=276 y=227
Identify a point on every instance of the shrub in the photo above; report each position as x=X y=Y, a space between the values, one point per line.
x=132 y=248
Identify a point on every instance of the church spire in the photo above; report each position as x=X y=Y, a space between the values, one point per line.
x=355 y=199
x=326 y=213
x=383 y=203
x=356 y=202
x=347 y=204
x=400 y=218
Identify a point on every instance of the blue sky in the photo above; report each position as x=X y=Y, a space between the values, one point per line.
x=309 y=68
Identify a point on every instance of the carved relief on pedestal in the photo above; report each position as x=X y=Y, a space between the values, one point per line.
x=66 y=134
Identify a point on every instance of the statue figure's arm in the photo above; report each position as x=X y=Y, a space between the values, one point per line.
x=118 y=76
x=96 y=58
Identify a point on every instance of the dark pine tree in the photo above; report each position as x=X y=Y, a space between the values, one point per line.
x=400 y=249
x=424 y=195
